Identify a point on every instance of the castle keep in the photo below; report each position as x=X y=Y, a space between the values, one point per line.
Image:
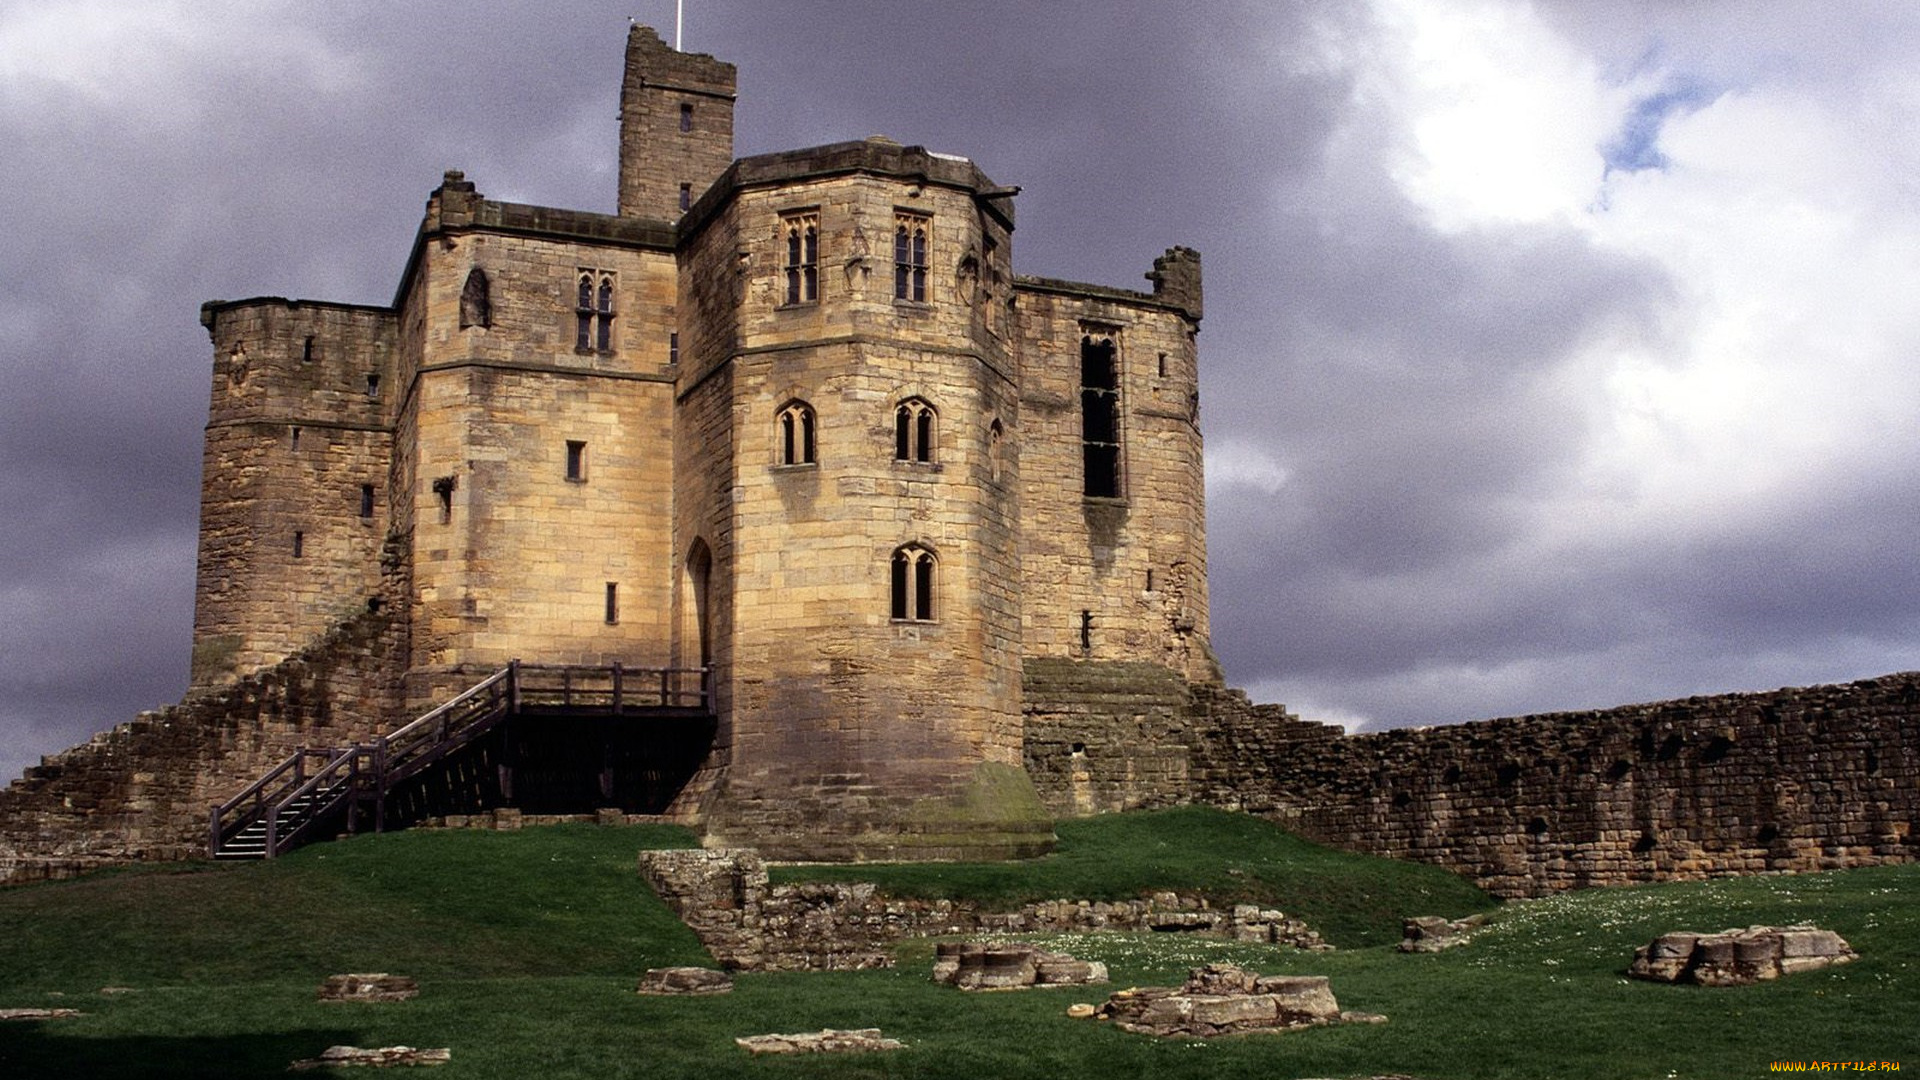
x=791 y=419
x=902 y=555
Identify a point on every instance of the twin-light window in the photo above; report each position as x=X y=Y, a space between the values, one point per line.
x=800 y=256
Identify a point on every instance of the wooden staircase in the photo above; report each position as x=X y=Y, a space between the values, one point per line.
x=306 y=796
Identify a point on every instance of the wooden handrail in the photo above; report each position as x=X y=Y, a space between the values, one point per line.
x=392 y=757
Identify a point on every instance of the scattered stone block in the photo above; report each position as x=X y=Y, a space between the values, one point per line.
x=378 y=986
x=383 y=1057
x=1738 y=957
x=685 y=980
x=1432 y=933
x=38 y=1014
x=977 y=965
x=827 y=1041
x=1080 y=1010
x=1224 y=999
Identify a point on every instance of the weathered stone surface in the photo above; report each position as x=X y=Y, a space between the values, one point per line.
x=826 y=1041
x=1738 y=957
x=749 y=925
x=1432 y=933
x=383 y=1057
x=685 y=980
x=976 y=965
x=1223 y=999
x=377 y=986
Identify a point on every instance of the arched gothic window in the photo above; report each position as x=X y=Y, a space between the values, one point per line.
x=912 y=586
x=913 y=430
x=593 y=310
x=476 y=304
x=910 y=256
x=796 y=434
x=802 y=260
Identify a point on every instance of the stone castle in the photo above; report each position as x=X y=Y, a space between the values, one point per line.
x=926 y=536
x=792 y=418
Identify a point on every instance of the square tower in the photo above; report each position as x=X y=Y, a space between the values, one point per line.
x=676 y=126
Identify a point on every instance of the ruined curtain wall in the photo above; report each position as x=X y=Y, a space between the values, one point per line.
x=142 y=791
x=1790 y=780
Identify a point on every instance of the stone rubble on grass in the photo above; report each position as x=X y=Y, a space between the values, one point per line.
x=684 y=980
x=38 y=1014
x=369 y=986
x=1224 y=999
x=827 y=1041
x=1432 y=933
x=383 y=1057
x=1739 y=957
x=1013 y=965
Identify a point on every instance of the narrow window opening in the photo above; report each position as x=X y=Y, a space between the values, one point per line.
x=913 y=431
x=1100 y=417
x=613 y=603
x=1149 y=579
x=673 y=348
x=796 y=434
x=306 y=350
x=603 y=339
x=686 y=196
x=912 y=585
x=576 y=460
x=910 y=256
x=373 y=386
x=686 y=116
x=366 y=500
x=443 y=490
x=299 y=545
x=1086 y=632
x=900 y=562
x=995 y=435
x=802 y=260
x=1163 y=365
x=583 y=313
x=296 y=438
x=476 y=301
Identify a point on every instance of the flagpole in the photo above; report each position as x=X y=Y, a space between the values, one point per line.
x=679 y=13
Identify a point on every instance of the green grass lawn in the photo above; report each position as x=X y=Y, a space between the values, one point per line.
x=527 y=946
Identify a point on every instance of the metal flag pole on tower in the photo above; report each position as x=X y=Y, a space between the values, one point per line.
x=679 y=13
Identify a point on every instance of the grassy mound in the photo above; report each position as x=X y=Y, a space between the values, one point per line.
x=1352 y=900
x=527 y=946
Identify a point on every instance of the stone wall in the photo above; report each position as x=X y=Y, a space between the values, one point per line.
x=749 y=925
x=1818 y=778
x=142 y=791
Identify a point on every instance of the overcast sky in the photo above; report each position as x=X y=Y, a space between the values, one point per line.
x=1558 y=355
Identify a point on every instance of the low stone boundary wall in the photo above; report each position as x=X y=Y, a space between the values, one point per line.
x=750 y=925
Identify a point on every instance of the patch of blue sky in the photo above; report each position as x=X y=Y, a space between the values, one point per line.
x=1636 y=145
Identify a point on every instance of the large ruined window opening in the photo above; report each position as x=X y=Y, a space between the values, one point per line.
x=796 y=434
x=1100 y=417
x=476 y=303
x=910 y=233
x=801 y=261
x=912 y=585
x=913 y=431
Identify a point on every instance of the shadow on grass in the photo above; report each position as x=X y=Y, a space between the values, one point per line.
x=33 y=1049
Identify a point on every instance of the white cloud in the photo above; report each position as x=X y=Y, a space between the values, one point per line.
x=1243 y=463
